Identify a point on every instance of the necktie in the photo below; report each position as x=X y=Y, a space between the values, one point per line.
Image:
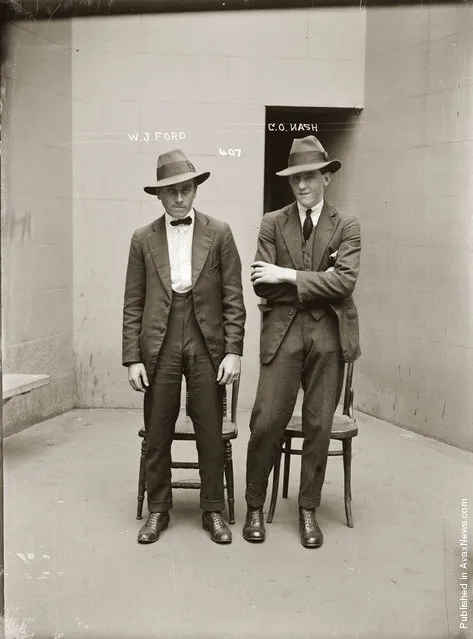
x=185 y=220
x=308 y=225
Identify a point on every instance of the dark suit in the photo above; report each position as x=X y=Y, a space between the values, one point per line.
x=174 y=334
x=308 y=330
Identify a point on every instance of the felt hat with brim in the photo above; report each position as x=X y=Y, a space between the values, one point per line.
x=307 y=154
x=172 y=168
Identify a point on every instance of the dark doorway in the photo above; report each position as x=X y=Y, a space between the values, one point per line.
x=332 y=126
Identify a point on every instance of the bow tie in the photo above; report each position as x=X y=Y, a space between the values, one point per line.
x=185 y=220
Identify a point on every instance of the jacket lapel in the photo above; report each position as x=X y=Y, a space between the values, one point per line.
x=291 y=232
x=158 y=246
x=201 y=243
x=324 y=231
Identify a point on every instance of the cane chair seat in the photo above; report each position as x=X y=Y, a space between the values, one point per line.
x=343 y=426
x=185 y=429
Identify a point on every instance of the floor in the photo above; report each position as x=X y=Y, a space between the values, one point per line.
x=75 y=570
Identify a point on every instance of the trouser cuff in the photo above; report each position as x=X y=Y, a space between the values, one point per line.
x=212 y=505
x=159 y=506
x=309 y=502
x=255 y=502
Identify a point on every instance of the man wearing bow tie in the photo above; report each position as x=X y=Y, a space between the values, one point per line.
x=306 y=267
x=183 y=315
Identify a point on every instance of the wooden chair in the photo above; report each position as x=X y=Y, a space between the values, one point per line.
x=344 y=428
x=184 y=431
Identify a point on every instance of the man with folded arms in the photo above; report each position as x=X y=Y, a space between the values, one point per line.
x=306 y=267
x=183 y=315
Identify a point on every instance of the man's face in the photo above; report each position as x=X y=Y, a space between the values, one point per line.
x=308 y=187
x=177 y=199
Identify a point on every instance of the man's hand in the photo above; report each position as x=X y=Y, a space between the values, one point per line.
x=229 y=369
x=137 y=377
x=264 y=273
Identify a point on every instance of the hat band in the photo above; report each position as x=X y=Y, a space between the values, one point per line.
x=174 y=168
x=308 y=157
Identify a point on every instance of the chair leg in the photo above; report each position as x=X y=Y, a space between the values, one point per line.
x=347 y=474
x=274 y=492
x=228 y=467
x=141 y=481
x=287 y=466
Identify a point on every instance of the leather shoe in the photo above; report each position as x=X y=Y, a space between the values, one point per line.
x=154 y=526
x=215 y=524
x=311 y=535
x=253 y=530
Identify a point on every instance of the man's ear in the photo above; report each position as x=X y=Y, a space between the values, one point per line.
x=158 y=191
x=327 y=178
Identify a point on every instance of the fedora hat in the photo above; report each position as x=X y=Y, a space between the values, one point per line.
x=307 y=154
x=172 y=168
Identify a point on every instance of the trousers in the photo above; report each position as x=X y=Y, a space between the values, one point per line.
x=309 y=354
x=184 y=352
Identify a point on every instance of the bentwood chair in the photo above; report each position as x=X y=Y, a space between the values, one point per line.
x=184 y=431
x=344 y=428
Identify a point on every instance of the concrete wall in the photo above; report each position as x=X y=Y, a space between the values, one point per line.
x=208 y=76
x=37 y=218
x=415 y=194
x=407 y=167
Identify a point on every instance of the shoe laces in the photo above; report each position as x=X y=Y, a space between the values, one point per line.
x=309 y=519
x=217 y=518
x=153 y=518
x=255 y=518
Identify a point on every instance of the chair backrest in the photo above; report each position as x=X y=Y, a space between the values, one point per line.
x=233 y=401
x=349 y=393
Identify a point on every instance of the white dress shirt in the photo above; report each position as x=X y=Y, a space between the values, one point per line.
x=316 y=211
x=180 y=252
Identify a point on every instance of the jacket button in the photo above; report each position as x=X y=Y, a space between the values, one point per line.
x=291 y=312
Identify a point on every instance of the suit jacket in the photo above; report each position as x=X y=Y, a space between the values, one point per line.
x=280 y=242
x=217 y=291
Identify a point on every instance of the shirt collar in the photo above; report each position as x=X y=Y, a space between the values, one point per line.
x=316 y=210
x=170 y=218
